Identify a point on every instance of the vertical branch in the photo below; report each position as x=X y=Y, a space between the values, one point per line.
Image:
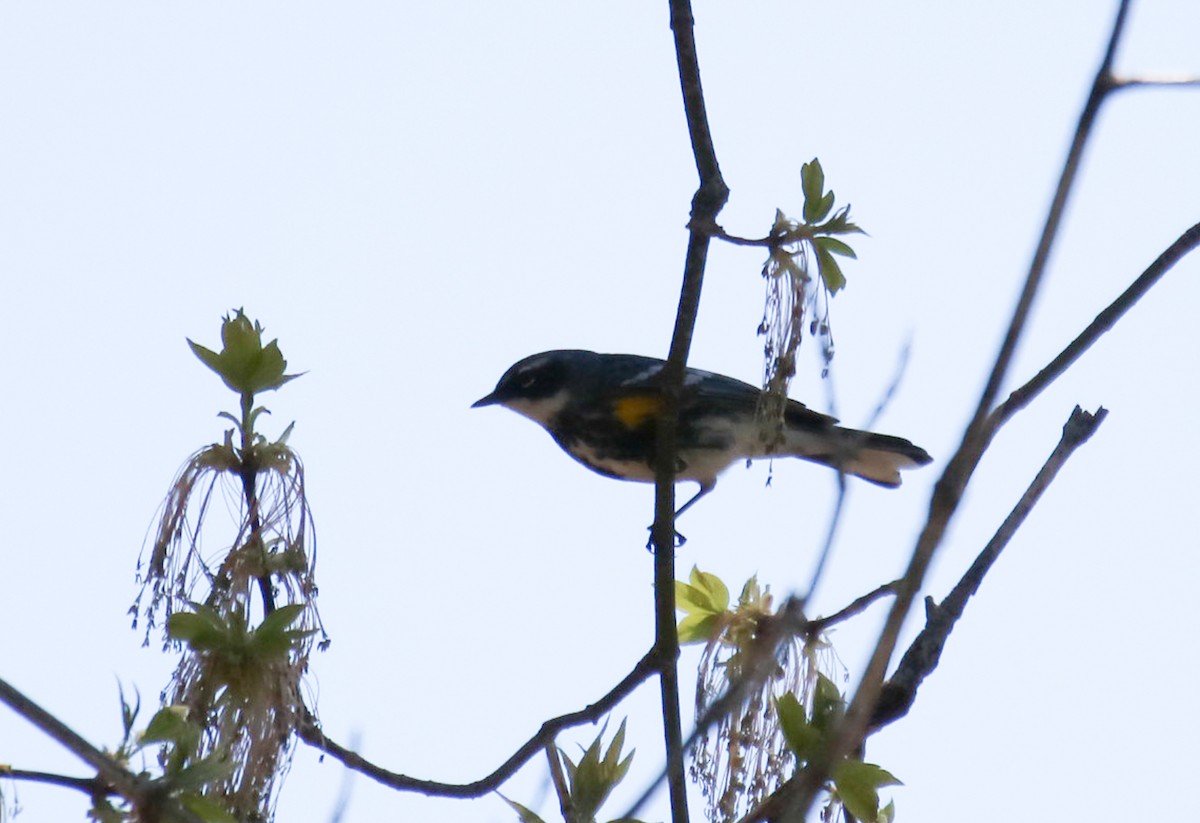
x=710 y=197
x=248 y=473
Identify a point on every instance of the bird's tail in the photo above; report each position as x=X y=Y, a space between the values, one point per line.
x=877 y=458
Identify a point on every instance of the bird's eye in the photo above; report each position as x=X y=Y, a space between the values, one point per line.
x=528 y=380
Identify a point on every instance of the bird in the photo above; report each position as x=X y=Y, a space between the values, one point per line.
x=602 y=409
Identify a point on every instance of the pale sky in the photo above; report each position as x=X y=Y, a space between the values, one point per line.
x=411 y=197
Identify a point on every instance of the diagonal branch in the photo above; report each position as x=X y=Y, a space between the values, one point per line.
x=310 y=732
x=922 y=656
x=812 y=628
x=921 y=659
x=1104 y=321
x=948 y=492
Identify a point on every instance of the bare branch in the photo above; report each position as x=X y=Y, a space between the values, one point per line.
x=1104 y=321
x=91 y=786
x=766 y=242
x=707 y=202
x=1166 y=81
x=682 y=23
x=814 y=627
x=310 y=732
x=798 y=797
x=922 y=656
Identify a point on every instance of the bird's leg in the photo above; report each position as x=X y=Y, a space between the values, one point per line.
x=705 y=488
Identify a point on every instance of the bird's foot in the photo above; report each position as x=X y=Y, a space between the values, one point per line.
x=650 y=545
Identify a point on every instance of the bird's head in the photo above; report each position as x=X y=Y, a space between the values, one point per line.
x=537 y=386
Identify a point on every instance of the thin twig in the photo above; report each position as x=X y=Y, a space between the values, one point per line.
x=1166 y=81
x=838 y=506
x=835 y=520
x=893 y=386
x=91 y=786
x=1019 y=399
x=770 y=241
x=922 y=656
x=310 y=732
x=814 y=627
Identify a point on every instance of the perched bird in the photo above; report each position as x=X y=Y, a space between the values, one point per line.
x=602 y=410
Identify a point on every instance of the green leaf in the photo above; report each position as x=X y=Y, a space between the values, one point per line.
x=202 y=629
x=831 y=272
x=698 y=628
x=828 y=704
x=203 y=772
x=524 y=814
x=169 y=725
x=207 y=356
x=129 y=712
x=206 y=809
x=802 y=737
x=691 y=600
x=835 y=246
x=753 y=595
x=705 y=594
x=858 y=785
x=822 y=208
x=277 y=621
x=840 y=224
x=594 y=777
x=812 y=183
x=713 y=586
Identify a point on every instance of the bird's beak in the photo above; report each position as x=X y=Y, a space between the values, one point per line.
x=489 y=400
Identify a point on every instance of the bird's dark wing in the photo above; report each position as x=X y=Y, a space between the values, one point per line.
x=703 y=391
x=718 y=392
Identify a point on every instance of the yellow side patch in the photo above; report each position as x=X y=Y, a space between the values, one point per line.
x=636 y=409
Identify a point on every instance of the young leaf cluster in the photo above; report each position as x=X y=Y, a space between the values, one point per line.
x=185 y=777
x=855 y=784
x=244 y=363
x=741 y=756
x=239 y=678
x=704 y=600
x=794 y=247
x=589 y=781
x=238 y=655
x=817 y=233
